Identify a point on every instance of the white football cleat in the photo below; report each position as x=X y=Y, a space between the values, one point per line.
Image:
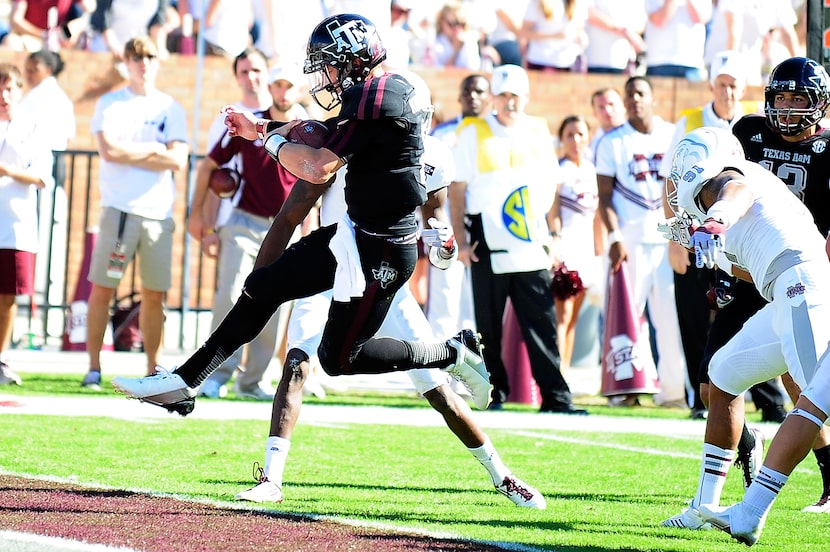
x=822 y=506
x=165 y=389
x=751 y=464
x=521 y=493
x=687 y=519
x=469 y=368
x=7 y=376
x=265 y=491
x=735 y=520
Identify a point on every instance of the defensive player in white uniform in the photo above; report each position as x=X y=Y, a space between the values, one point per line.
x=753 y=226
x=405 y=320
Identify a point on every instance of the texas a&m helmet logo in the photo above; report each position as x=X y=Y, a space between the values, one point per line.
x=347 y=37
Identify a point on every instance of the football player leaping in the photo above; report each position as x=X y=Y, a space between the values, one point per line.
x=373 y=251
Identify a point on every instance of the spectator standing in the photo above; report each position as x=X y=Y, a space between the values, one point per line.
x=114 y=22
x=615 y=35
x=631 y=205
x=47 y=101
x=675 y=37
x=555 y=34
x=505 y=36
x=450 y=300
x=456 y=42
x=499 y=210
x=258 y=201
x=226 y=27
x=747 y=26
x=47 y=24
x=142 y=138
x=25 y=168
x=577 y=261
x=251 y=72
x=609 y=111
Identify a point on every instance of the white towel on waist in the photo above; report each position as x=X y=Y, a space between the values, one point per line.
x=348 y=277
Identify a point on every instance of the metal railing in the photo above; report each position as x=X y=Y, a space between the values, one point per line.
x=68 y=214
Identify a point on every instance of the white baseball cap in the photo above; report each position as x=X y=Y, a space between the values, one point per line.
x=288 y=72
x=509 y=78
x=728 y=62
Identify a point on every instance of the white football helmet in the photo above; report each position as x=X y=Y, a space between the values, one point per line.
x=702 y=154
x=421 y=100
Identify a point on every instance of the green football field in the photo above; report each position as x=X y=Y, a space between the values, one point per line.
x=387 y=461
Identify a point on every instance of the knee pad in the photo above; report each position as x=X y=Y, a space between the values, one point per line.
x=294 y=360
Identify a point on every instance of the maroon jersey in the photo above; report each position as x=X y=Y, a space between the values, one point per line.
x=264 y=183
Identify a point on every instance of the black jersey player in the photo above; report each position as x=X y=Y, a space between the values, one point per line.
x=788 y=141
x=366 y=257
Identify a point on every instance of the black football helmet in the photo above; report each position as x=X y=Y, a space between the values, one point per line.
x=347 y=42
x=797 y=74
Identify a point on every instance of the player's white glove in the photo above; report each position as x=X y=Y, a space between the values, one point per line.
x=708 y=240
x=437 y=234
x=677 y=230
x=441 y=241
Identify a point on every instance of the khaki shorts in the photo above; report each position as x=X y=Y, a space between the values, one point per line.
x=150 y=240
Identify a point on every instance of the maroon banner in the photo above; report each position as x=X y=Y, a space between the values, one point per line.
x=627 y=364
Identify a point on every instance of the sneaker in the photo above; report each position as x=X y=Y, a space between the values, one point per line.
x=820 y=507
x=687 y=519
x=92 y=380
x=7 y=377
x=165 y=389
x=735 y=520
x=213 y=390
x=256 y=393
x=469 y=368
x=750 y=462
x=264 y=491
x=521 y=493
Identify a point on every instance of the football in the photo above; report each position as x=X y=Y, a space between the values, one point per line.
x=224 y=182
x=311 y=133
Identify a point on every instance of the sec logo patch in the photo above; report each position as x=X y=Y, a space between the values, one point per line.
x=516 y=213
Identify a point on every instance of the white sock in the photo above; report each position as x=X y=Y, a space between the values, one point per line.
x=713 y=469
x=764 y=490
x=490 y=459
x=276 y=453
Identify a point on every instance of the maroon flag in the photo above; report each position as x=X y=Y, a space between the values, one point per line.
x=74 y=333
x=627 y=364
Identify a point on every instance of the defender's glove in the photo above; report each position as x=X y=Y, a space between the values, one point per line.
x=441 y=241
x=677 y=230
x=720 y=294
x=708 y=240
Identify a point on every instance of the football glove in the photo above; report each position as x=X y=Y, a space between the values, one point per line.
x=708 y=240
x=720 y=293
x=677 y=230
x=437 y=234
x=441 y=241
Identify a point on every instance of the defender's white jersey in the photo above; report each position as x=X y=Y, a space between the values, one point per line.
x=633 y=160
x=777 y=232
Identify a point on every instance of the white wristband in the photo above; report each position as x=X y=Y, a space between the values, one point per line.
x=614 y=237
x=272 y=145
